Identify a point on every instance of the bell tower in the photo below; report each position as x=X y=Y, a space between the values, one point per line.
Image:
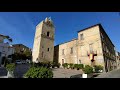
x=43 y=48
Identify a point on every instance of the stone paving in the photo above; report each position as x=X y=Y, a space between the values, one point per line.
x=65 y=73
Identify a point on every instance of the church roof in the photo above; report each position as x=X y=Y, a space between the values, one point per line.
x=68 y=41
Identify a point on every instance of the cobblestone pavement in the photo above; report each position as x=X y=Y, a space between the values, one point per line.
x=111 y=74
x=65 y=73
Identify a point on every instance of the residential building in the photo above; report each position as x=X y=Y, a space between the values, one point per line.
x=118 y=59
x=5 y=49
x=92 y=47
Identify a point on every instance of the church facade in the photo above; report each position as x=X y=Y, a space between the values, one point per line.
x=92 y=47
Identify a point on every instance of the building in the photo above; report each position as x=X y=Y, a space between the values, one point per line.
x=5 y=49
x=118 y=59
x=20 y=48
x=22 y=52
x=43 y=48
x=92 y=47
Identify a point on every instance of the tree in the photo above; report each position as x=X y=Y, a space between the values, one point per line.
x=28 y=54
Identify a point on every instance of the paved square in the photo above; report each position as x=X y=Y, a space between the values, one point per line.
x=21 y=69
x=65 y=73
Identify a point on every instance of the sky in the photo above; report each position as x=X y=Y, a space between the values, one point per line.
x=21 y=26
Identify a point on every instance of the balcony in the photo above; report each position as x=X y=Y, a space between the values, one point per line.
x=92 y=52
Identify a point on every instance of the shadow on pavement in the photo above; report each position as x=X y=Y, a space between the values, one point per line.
x=76 y=76
x=80 y=76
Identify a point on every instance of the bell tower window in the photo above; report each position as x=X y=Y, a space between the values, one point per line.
x=48 y=34
x=48 y=49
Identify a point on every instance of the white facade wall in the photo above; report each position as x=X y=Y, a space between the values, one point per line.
x=5 y=50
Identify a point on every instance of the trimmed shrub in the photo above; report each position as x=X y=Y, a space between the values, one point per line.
x=98 y=67
x=39 y=72
x=65 y=65
x=56 y=65
x=80 y=66
x=75 y=66
x=42 y=64
x=88 y=69
x=10 y=67
x=71 y=66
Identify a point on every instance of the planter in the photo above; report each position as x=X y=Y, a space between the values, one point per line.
x=2 y=65
x=84 y=75
x=10 y=74
x=101 y=71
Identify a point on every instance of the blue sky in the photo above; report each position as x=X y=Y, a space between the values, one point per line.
x=21 y=25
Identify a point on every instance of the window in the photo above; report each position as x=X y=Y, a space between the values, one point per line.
x=106 y=49
x=42 y=54
x=82 y=49
x=91 y=48
x=48 y=33
x=48 y=49
x=71 y=50
x=81 y=37
x=79 y=61
x=62 y=51
x=103 y=46
x=102 y=36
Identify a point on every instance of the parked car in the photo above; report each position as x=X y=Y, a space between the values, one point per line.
x=27 y=61
x=23 y=62
x=18 y=62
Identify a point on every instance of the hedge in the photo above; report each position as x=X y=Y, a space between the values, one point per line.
x=39 y=72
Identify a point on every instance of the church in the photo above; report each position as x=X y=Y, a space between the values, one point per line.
x=92 y=47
